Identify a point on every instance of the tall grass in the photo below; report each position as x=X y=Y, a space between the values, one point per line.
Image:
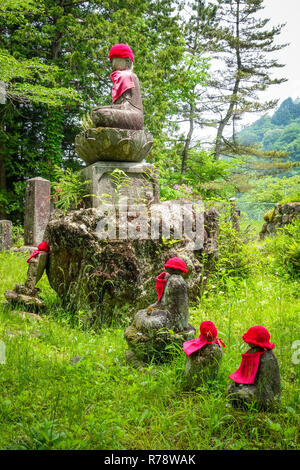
x=63 y=387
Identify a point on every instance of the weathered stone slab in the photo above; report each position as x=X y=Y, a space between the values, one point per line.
x=140 y=187
x=5 y=234
x=37 y=210
x=25 y=300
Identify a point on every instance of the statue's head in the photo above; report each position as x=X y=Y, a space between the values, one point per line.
x=121 y=57
x=175 y=266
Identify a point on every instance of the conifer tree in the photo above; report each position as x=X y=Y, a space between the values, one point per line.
x=242 y=44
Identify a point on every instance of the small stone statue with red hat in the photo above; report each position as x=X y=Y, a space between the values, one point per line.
x=204 y=355
x=150 y=332
x=126 y=112
x=257 y=380
x=27 y=294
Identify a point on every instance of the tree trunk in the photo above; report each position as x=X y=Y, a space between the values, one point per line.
x=232 y=101
x=3 y=187
x=187 y=143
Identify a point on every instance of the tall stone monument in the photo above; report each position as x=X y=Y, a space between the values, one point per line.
x=5 y=234
x=117 y=139
x=37 y=210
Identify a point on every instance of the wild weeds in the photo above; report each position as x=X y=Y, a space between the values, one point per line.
x=66 y=387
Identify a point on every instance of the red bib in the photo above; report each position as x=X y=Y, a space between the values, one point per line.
x=194 y=345
x=122 y=80
x=160 y=284
x=247 y=371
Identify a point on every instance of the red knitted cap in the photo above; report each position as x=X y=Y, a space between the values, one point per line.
x=43 y=246
x=259 y=336
x=121 y=50
x=176 y=263
x=208 y=330
x=208 y=336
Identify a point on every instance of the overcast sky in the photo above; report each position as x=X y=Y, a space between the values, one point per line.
x=286 y=11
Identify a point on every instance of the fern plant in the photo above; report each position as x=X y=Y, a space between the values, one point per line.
x=68 y=189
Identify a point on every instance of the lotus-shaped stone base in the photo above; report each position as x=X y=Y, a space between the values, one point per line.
x=110 y=144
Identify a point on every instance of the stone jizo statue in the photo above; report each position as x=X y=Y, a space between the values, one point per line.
x=117 y=132
x=27 y=294
x=149 y=334
x=126 y=112
x=257 y=380
x=204 y=355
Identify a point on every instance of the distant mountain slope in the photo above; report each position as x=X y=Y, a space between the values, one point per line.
x=278 y=132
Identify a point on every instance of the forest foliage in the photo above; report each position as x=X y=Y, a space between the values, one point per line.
x=55 y=67
x=280 y=131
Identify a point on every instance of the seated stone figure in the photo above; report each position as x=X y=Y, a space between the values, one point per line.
x=27 y=294
x=149 y=334
x=204 y=355
x=126 y=112
x=117 y=131
x=257 y=380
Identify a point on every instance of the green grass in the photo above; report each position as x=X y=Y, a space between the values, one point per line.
x=101 y=402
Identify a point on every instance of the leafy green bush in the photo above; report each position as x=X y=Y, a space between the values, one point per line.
x=68 y=189
x=205 y=176
x=237 y=258
x=18 y=235
x=283 y=250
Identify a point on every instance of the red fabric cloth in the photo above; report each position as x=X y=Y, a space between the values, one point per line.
x=208 y=336
x=121 y=50
x=41 y=248
x=161 y=280
x=247 y=371
x=122 y=80
x=259 y=336
x=176 y=263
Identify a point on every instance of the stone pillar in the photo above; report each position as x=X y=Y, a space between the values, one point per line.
x=2 y=92
x=140 y=184
x=5 y=234
x=37 y=210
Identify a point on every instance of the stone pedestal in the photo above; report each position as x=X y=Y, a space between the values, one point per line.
x=5 y=234
x=37 y=210
x=113 y=145
x=139 y=186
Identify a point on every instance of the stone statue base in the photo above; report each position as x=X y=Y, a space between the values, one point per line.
x=140 y=187
x=110 y=144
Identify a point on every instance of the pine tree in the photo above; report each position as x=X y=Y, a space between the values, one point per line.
x=241 y=43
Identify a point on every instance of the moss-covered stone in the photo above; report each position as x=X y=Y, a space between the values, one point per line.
x=112 y=279
x=268 y=217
